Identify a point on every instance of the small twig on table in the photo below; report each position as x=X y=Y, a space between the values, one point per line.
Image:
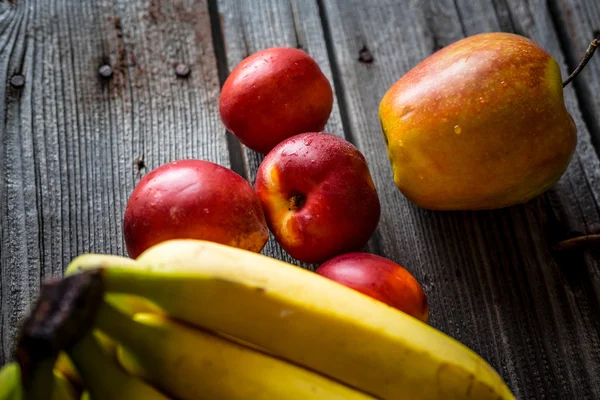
x=577 y=242
x=588 y=56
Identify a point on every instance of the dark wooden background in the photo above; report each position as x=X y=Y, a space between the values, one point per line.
x=69 y=141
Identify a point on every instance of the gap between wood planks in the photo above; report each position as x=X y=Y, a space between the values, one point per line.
x=375 y=241
x=236 y=154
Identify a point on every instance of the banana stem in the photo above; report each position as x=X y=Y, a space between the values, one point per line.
x=586 y=58
x=62 y=314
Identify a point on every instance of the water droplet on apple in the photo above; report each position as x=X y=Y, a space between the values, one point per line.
x=504 y=83
x=457 y=129
x=482 y=100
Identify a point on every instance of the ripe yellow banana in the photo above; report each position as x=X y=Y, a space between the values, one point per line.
x=129 y=304
x=104 y=379
x=307 y=319
x=126 y=303
x=193 y=364
x=11 y=389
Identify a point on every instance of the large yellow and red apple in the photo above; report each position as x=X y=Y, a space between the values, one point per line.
x=194 y=199
x=318 y=196
x=480 y=124
x=274 y=94
x=379 y=278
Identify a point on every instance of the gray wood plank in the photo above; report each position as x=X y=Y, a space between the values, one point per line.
x=491 y=279
x=578 y=22
x=252 y=25
x=70 y=138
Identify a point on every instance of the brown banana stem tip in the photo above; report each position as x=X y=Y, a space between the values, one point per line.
x=64 y=311
x=588 y=56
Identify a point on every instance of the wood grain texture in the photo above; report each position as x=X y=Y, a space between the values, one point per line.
x=68 y=141
x=490 y=276
x=578 y=22
x=252 y=25
x=70 y=138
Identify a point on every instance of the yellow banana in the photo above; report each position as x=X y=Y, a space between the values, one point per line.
x=104 y=379
x=307 y=319
x=126 y=303
x=10 y=382
x=63 y=389
x=11 y=389
x=65 y=366
x=129 y=304
x=193 y=364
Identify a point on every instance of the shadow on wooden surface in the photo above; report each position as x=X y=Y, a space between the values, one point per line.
x=70 y=138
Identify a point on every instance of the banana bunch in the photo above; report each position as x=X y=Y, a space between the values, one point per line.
x=196 y=320
x=51 y=384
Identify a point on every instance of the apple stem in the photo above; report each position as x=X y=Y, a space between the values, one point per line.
x=589 y=53
x=577 y=242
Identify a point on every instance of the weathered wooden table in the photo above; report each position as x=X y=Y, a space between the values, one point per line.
x=93 y=91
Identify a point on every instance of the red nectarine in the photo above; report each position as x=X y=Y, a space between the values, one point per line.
x=274 y=94
x=194 y=199
x=318 y=196
x=380 y=278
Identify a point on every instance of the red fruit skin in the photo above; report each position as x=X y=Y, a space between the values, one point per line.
x=274 y=94
x=194 y=199
x=342 y=207
x=379 y=278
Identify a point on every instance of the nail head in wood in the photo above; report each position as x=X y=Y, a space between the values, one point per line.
x=105 y=71
x=17 y=81
x=365 y=56
x=182 y=70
